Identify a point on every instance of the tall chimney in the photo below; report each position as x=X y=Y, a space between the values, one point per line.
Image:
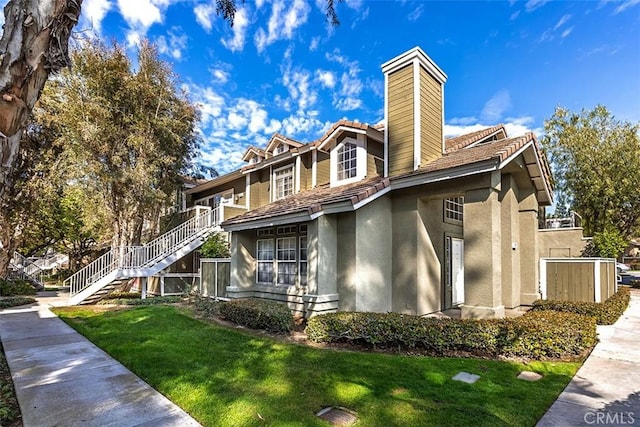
x=413 y=110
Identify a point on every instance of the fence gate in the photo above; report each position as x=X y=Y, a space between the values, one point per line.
x=215 y=276
x=577 y=279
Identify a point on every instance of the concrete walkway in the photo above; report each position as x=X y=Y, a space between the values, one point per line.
x=606 y=389
x=62 y=379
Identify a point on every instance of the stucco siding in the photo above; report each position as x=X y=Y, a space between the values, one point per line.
x=346 y=261
x=510 y=245
x=373 y=256
x=562 y=242
x=430 y=118
x=401 y=121
x=482 y=252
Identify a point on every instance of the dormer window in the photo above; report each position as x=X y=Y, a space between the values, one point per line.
x=254 y=159
x=281 y=149
x=283 y=182
x=348 y=161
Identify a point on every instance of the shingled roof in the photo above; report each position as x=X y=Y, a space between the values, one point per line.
x=458 y=142
x=314 y=201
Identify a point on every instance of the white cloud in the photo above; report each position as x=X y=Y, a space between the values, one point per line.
x=240 y=25
x=304 y=123
x=416 y=13
x=566 y=32
x=204 y=15
x=326 y=78
x=625 y=5
x=535 y=4
x=140 y=13
x=259 y=3
x=220 y=75
x=515 y=126
x=210 y=102
x=562 y=21
x=285 y=18
x=93 y=11
x=173 y=44
x=298 y=83
x=514 y=15
x=495 y=107
x=347 y=104
x=315 y=42
x=354 y=4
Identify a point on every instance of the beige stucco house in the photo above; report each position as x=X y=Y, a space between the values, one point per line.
x=391 y=217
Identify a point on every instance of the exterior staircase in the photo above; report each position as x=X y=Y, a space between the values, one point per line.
x=142 y=261
x=21 y=267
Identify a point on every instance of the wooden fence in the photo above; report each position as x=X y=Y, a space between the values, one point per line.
x=215 y=276
x=577 y=279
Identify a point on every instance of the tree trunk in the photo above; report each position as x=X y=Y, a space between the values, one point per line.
x=34 y=44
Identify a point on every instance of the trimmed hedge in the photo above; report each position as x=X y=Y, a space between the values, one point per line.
x=258 y=314
x=15 y=301
x=605 y=313
x=16 y=287
x=139 y=301
x=122 y=295
x=541 y=335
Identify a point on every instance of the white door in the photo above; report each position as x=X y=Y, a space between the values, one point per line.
x=457 y=271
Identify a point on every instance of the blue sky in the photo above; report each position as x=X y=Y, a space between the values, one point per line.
x=282 y=68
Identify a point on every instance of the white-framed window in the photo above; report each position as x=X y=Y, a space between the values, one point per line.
x=286 y=260
x=453 y=208
x=283 y=182
x=281 y=260
x=265 y=261
x=347 y=161
x=254 y=159
x=281 y=149
x=303 y=260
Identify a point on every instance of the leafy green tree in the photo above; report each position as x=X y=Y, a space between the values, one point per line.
x=127 y=134
x=34 y=44
x=596 y=162
x=609 y=243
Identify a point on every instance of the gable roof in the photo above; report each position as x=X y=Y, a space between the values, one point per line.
x=277 y=139
x=459 y=162
x=252 y=150
x=486 y=157
x=461 y=141
x=310 y=204
x=348 y=126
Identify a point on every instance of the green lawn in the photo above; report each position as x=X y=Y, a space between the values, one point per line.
x=226 y=378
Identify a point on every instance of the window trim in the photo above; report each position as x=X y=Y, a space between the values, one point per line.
x=453 y=209
x=361 y=160
x=291 y=167
x=266 y=262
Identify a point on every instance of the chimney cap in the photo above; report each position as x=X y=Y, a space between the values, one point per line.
x=408 y=57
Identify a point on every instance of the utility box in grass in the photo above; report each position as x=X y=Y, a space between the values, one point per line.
x=577 y=279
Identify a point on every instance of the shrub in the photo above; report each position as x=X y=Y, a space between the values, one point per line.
x=540 y=335
x=15 y=301
x=535 y=335
x=122 y=295
x=605 y=313
x=207 y=307
x=139 y=301
x=215 y=246
x=258 y=314
x=16 y=287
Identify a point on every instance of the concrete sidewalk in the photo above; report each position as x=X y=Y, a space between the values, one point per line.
x=62 y=379
x=606 y=389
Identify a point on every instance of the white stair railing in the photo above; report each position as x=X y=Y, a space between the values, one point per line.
x=24 y=268
x=138 y=257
